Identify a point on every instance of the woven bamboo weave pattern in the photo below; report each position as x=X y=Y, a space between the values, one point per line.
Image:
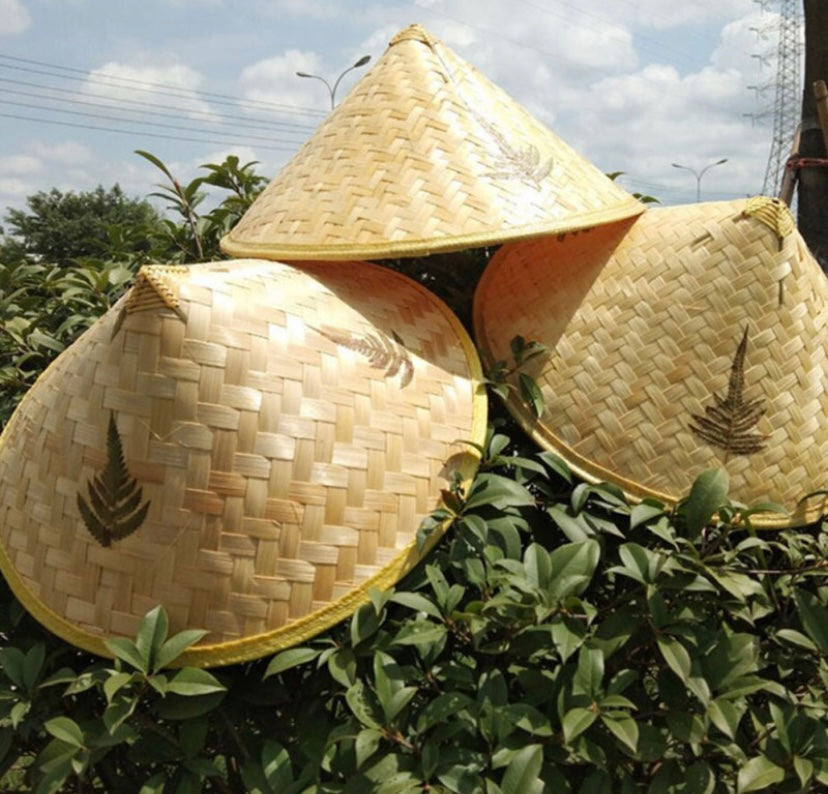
x=693 y=337
x=288 y=429
x=424 y=155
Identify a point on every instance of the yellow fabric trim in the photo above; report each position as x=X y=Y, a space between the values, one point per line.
x=422 y=247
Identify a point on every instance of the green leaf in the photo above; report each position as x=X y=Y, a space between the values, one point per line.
x=804 y=769
x=642 y=513
x=119 y=710
x=66 y=730
x=420 y=632
x=366 y=744
x=589 y=673
x=531 y=394
x=536 y=561
x=342 y=666
x=572 y=567
x=114 y=683
x=521 y=776
x=156 y=162
x=724 y=716
x=180 y=707
x=676 y=656
x=758 y=773
x=567 y=636
x=576 y=721
x=190 y=681
x=707 y=495
x=63 y=676
x=18 y=712
x=126 y=650
x=12 y=660
x=796 y=638
x=364 y=623
x=624 y=728
x=152 y=632
x=814 y=618
x=400 y=699
x=292 y=657
x=192 y=735
x=418 y=602
x=175 y=646
x=499 y=492
x=557 y=464
x=32 y=665
x=445 y=705
x=155 y=785
x=363 y=705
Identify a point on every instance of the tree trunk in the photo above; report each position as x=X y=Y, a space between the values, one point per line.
x=813 y=182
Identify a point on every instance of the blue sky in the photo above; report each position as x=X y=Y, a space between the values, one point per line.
x=633 y=85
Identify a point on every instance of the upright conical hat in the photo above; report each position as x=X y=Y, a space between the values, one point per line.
x=425 y=155
x=250 y=445
x=693 y=337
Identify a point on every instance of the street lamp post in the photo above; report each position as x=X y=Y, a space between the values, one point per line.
x=332 y=89
x=699 y=174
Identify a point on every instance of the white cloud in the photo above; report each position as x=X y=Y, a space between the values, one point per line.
x=63 y=153
x=275 y=80
x=13 y=188
x=658 y=15
x=14 y=18
x=20 y=164
x=175 y=84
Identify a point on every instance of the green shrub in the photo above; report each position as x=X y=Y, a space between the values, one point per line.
x=558 y=639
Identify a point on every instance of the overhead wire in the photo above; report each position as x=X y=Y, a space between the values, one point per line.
x=164 y=89
x=205 y=115
x=238 y=130
x=140 y=132
x=105 y=117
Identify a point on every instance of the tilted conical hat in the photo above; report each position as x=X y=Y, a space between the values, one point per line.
x=251 y=445
x=424 y=155
x=693 y=337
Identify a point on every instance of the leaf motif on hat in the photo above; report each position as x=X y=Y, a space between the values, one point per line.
x=727 y=424
x=381 y=352
x=515 y=163
x=115 y=510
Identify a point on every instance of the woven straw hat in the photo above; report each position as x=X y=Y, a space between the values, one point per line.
x=690 y=338
x=251 y=445
x=425 y=155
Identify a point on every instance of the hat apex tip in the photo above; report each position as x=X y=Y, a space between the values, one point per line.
x=773 y=212
x=414 y=32
x=155 y=287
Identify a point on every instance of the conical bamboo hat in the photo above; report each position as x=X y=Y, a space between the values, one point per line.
x=251 y=445
x=425 y=155
x=693 y=337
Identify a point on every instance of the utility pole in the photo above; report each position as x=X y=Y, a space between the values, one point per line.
x=788 y=85
x=813 y=179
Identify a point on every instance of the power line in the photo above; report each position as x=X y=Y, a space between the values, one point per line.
x=162 y=89
x=136 y=121
x=217 y=119
x=141 y=132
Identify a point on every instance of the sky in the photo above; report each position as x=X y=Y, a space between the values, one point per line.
x=632 y=85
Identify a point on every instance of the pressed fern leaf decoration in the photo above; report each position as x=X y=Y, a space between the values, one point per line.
x=514 y=163
x=381 y=352
x=727 y=424
x=115 y=510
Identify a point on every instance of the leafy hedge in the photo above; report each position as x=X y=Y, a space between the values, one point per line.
x=557 y=639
